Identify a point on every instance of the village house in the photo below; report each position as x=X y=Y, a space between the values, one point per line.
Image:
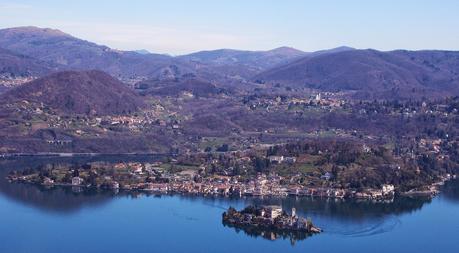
x=114 y=185
x=155 y=187
x=327 y=176
x=119 y=166
x=48 y=181
x=290 y=160
x=388 y=189
x=77 y=181
x=276 y=159
x=136 y=168
x=271 y=211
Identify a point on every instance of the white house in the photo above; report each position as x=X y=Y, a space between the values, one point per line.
x=77 y=181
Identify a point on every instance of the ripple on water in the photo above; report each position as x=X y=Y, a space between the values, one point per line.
x=367 y=228
x=175 y=213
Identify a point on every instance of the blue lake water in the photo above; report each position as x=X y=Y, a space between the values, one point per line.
x=58 y=220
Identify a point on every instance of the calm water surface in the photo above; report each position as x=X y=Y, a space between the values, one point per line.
x=58 y=220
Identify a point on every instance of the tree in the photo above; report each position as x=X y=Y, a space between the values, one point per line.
x=261 y=164
x=223 y=148
x=76 y=173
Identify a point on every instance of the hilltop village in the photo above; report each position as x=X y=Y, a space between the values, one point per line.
x=177 y=124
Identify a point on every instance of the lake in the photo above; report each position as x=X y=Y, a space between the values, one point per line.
x=35 y=219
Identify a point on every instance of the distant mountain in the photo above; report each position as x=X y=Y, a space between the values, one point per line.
x=373 y=74
x=330 y=51
x=62 y=51
x=70 y=53
x=142 y=51
x=251 y=61
x=365 y=73
x=14 y=64
x=78 y=92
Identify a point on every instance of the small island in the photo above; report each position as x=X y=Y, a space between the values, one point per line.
x=270 y=220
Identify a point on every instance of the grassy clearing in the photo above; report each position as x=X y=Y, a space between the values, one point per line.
x=213 y=142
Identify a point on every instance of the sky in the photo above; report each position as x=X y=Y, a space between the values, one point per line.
x=183 y=26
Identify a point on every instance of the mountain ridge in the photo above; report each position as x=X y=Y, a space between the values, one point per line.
x=367 y=72
x=371 y=71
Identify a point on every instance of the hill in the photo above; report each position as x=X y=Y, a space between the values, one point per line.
x=78 y=92
x=193 y=85
x=70 y=53
x=256 y=59
x=13 y=64
x=374 y=74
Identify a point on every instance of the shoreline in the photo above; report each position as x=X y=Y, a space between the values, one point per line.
x=433 y=191
x=56 y=154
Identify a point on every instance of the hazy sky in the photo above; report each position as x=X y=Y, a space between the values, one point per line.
x=183 y=26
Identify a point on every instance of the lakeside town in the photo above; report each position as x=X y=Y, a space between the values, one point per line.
x=160 y=178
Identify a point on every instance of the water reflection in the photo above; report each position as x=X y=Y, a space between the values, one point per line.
x=450 y=191
x=344 y=218
x=58 y=199
x=347 y=218
x=353 y=210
